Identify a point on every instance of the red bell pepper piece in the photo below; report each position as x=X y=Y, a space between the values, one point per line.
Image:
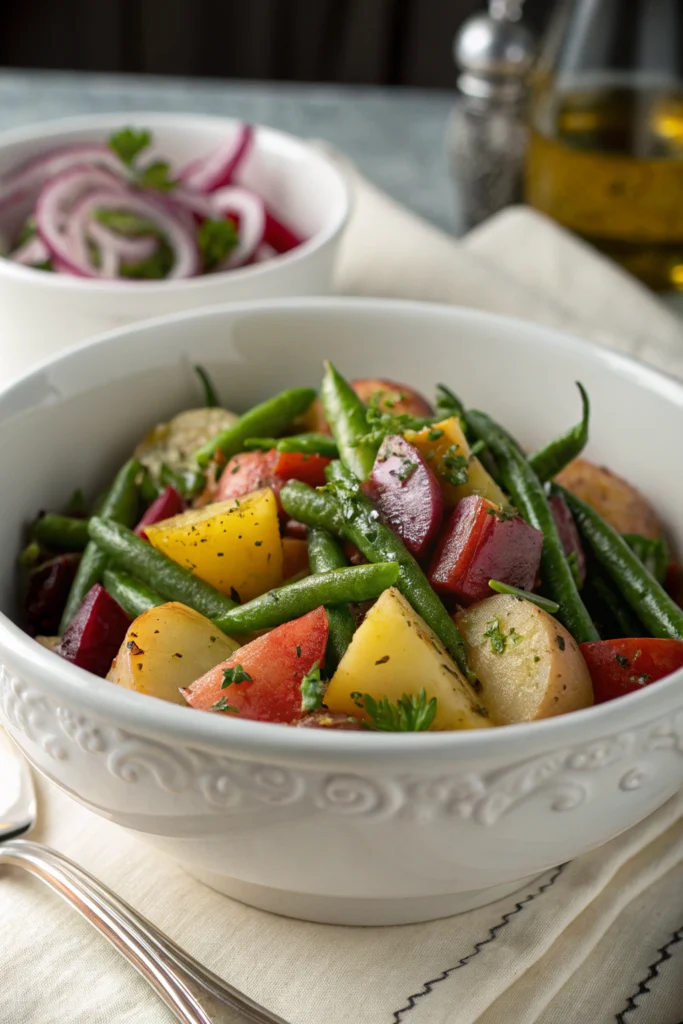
x=569 y=534
x=275 y=663
x=406 y=493
x=310 y=469
x=166 y=505
x=96 y=632
x=281 y=237
x=624 y=666
x=480 y=544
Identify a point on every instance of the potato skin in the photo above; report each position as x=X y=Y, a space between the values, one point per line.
x=617 y=501
x=539 y=673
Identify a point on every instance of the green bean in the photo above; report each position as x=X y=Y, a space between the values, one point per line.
x=347 y=417
x=211 y=400
x=162 y=574
x=349 y=514
x=504 y=588
x=626 y=623
x=528 y=496
x=130 y=594
x=119 y=505
x=325 y=554
x=550 y=460
x=447 y=403
x=654 y=554
x=187 y=482
x=641 y=591
x=307 y=444
x=271 y=417
x=61 y=532
x=355 y=583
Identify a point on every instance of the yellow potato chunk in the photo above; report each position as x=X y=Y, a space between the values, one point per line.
x=394 y=652
x=167 y=648
x=452 y=441
x=234 y=545
x=529 y=666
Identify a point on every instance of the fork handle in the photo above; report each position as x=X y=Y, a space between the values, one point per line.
x=192 y=993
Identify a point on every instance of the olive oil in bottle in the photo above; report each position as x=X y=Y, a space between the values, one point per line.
x=606 y=161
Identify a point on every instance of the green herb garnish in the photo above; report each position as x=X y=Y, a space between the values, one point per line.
x=216 y=240
x=454 y=468
x=129 y=143
x=409 y=713
x=223 y=705
x=312 y=689
x=157 y=176
x=236 y=674
x=499 y=640
x=156 y=267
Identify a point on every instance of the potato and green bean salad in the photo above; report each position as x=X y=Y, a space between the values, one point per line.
x=357 y=558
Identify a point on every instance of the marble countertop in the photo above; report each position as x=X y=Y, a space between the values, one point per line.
x=395 y=136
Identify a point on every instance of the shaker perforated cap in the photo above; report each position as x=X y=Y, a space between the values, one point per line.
x=493 y=48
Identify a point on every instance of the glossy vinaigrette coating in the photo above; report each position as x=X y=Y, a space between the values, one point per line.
x=355 y=558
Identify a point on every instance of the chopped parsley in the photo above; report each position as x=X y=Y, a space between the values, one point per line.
x=223 y=705
x=454 y=468
x=382 y=423
x=312 y=690
x=499 y=640
x=407 y=469
x=624 y=662
x=129 y=143
x=216 y=240
x=435 y=434
x=236 y=674
x=410 y=713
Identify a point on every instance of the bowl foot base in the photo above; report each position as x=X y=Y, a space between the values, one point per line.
x=352 y=911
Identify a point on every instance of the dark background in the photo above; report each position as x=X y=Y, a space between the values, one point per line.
x=385 y=42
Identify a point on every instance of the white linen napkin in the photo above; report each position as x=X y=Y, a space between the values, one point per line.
x=600 y=938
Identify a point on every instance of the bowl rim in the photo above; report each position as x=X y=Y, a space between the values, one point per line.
x=52 y=129
x=251 y=739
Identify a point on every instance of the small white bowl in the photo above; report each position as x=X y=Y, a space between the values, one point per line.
x=342 y=827
x=42 y=314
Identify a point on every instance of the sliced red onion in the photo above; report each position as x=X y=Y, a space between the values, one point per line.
x=199 y=205
x=180 y=237
x=28 y=179
x=279 y=235
x=31 y=252
x=218 y=168
x=250 y=213
x=129 y=249
x=56 y=202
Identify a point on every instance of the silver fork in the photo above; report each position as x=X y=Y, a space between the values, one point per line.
x=191 y=992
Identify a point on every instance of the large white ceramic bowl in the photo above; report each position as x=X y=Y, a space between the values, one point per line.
x=335 y=826
x=41 y=314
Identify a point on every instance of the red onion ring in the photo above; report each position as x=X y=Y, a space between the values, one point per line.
x=31 y=252
x=218 y=168
x=56 y=202
x=180 y=237
x=248 y=209
x=129 y=249
x=27 y=180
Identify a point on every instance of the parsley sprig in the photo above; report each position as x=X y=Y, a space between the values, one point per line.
x=216 y=240
x=235 y=675
x=499 y=640
x=129 y=144
x=410 y=713
x=382 y=422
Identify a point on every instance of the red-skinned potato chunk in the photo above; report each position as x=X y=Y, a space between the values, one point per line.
x=625 y=666
x=396 y=398
x=406 y=493
x=276 y=664
x=480 y=544
x=246 y=472
x=95 y=633
x=166 y=505
x=310 y=469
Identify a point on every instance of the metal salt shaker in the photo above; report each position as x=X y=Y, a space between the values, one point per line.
x=487 y=133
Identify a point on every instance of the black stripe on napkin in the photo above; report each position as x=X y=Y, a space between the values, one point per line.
x=652 y=975
x=428 y=986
